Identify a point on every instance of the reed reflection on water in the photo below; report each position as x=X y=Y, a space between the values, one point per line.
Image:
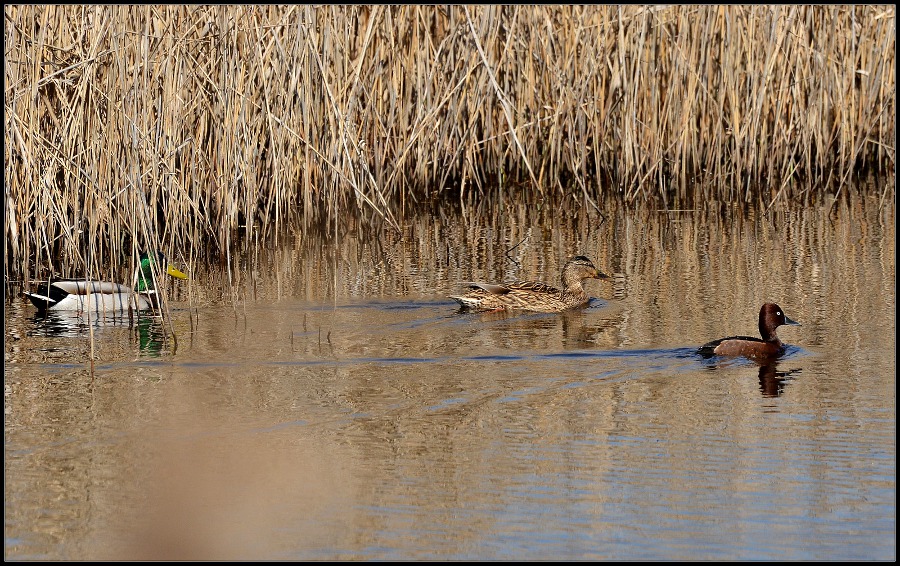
x=326 y=400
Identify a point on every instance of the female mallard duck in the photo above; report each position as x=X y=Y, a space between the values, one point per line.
x=531 y=296
x=105 y=296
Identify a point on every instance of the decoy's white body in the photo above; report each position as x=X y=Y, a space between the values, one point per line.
x=102 y=296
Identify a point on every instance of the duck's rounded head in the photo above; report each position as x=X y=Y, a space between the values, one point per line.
x=578 y=269
x=771 y=317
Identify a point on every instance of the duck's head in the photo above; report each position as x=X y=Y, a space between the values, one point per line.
x=152 y=263
x=580 y=268
x=771 y=317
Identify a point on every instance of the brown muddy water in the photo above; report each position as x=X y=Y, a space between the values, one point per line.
x=323 y=399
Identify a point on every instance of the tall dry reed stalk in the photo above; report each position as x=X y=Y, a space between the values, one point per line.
x=183 y=127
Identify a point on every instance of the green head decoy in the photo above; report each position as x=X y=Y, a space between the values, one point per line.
x=105 y=296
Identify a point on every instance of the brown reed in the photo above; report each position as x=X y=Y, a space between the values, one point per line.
x=192 y=127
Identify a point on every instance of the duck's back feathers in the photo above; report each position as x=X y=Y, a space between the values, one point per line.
x=498 y=289
x=748 y=346
x=709 y=349
x=519 y=295
x=534 y=287
x=492 y=288
x=82 y=287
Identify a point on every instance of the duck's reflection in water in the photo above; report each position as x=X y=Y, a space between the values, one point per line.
x=772 y=381
x=149 y=331
x=575 y=328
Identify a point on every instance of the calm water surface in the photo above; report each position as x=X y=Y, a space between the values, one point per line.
x=323 y=399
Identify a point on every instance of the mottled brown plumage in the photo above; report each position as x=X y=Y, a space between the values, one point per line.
x=533 y=296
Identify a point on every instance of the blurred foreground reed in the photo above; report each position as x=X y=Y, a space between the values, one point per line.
x=184 y=128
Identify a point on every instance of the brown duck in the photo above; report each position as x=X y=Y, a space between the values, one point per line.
x=532 y=296
x=770 y=317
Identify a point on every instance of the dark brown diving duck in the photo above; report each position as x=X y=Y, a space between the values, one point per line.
x=769 y=346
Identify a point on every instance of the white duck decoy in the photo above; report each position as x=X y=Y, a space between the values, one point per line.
x=105 y=296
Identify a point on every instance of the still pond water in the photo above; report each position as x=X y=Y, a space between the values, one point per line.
x=324 y=399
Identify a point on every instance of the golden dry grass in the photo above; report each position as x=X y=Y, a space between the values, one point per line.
x=184 y=127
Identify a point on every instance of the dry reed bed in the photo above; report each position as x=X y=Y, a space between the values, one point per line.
x=184 y=127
